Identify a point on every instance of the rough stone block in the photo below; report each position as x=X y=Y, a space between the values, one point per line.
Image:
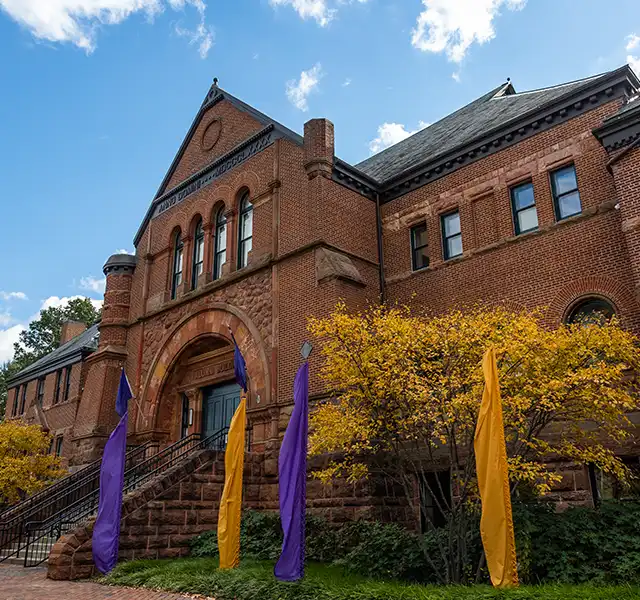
x=58 y=573
x=170 y=552
x=177 y=541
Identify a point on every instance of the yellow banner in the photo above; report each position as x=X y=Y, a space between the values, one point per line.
x=496 y=524
x=231 y=502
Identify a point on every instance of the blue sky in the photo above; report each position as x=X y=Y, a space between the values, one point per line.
x=96 y=96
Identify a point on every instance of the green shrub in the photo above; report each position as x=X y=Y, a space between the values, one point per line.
x=579 y=545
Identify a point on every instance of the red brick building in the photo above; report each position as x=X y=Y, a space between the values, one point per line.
x=530 y=198
x=48 y=391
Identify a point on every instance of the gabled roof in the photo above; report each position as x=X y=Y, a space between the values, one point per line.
x=496 y=110
x=68 y=353
x=216 y=94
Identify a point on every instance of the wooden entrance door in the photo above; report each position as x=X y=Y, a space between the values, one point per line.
x=219 y=402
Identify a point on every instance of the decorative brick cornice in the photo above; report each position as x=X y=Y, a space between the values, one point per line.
x=120 y=264
x=350 y=177
x=620 y=130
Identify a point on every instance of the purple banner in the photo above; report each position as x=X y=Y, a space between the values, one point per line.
x=106 y=531
x=292 y=465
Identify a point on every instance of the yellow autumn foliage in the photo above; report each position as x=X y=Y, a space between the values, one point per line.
x=404 y=380
x=25 y=465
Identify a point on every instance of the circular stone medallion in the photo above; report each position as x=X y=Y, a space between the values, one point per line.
x=211 y=135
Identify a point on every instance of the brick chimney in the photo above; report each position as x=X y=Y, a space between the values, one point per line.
x=318 y=147
x=71 y=329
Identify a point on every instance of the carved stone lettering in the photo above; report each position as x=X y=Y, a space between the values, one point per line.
x=217 y=169
x=208 y=371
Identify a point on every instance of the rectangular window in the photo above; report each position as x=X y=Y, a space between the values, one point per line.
x=16 y=400
x=566 y=197
x=435 y=498
x=419 y=249
x=523 y=204
x=40 y=391
x=59 y=446
x=451 y=235
x=67 y=383
x=56 y=394
x=23 y=399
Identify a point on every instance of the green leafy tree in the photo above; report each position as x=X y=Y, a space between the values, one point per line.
x=43 y=335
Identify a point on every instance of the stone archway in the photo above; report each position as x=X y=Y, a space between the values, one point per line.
x=214 y=321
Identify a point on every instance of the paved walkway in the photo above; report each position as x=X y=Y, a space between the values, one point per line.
x=18 y=583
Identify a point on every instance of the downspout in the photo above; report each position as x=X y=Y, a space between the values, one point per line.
x=380 y=249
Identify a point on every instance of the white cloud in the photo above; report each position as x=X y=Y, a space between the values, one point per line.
x=633 y=41
x=5 y=319
x=456 y=76
x=93 y=284
x=58 y=302
x=202 y=35
x=125 y=251
x=309 y=9
x=78 y=21
x=346 y=82
x=392 y=133
x=13 y=296
x=298 y=91
x=452 y=26
x=7 y=338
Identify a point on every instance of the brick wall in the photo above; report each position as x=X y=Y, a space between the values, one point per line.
x=548 y=268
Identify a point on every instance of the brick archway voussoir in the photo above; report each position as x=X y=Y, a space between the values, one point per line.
x=613 y=290
x=214 y=320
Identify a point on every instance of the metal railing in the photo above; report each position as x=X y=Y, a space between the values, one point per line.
x=40 y=536
x=55 y=499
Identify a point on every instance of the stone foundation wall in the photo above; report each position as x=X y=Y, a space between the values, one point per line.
x=160 y=518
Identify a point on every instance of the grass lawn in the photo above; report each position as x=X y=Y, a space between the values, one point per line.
x=254 y=581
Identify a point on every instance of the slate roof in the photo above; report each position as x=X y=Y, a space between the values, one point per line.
x=494 y=110
x=86 y=342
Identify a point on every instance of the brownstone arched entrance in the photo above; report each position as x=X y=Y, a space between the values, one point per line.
x=197 y=354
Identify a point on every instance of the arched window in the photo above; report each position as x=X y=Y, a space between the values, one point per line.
x=176 y=278
x=591 y=311
x=197 y=264
x=220 y=244
x=245 y=237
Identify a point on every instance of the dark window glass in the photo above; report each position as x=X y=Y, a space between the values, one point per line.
x=451 y=235
x=435 y=499
x=67 y=382
x=185 y=416
x=523 y=203
x=16 y=400
x=56 y=395
x=419 y=247
x=591 y=311
x=246 y=231
x=40 y=391
x=59 y=446
x=220 y=245
x=23 y=399
x=566 y=198
x=198 y=255
x=176 y=279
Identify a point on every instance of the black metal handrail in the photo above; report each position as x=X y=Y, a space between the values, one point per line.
x=12 y=530
x=42 y=535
